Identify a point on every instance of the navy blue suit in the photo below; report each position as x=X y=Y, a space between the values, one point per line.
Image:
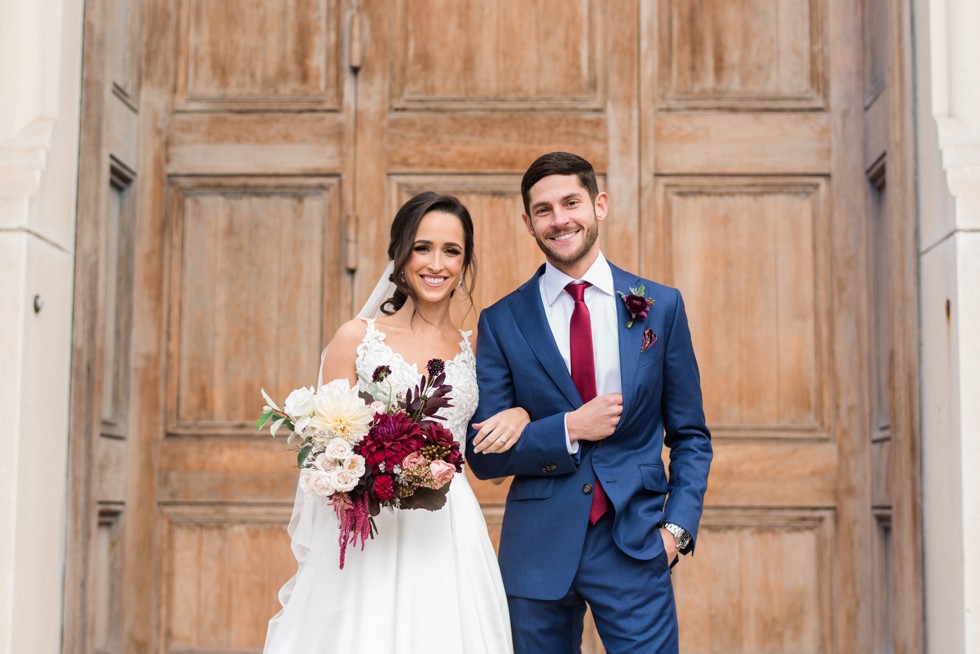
x=546 y=542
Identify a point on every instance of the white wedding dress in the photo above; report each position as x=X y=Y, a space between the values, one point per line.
x=428 y=582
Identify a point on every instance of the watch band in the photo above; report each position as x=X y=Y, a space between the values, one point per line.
x=680 y=535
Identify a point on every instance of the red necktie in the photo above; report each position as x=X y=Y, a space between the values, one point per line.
x=583 y=371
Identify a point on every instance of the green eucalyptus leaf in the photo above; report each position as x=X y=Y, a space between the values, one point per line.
x=264 y=418
x=301 y=457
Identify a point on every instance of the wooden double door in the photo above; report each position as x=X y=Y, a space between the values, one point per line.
x=266 y=146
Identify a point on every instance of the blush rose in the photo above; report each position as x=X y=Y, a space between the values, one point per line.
x=442 y=472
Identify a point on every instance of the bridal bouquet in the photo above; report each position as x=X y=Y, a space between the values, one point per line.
x=363 y=455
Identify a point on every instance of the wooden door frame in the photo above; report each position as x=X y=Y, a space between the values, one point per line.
x=97 y=169
x=86 y=355
x=132 y=615
x=908 y=627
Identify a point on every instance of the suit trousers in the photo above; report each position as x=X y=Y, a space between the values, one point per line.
x=632 y=602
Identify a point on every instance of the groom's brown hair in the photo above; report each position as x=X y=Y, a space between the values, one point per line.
x=558 y=163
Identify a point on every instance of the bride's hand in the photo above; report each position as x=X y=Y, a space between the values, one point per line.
x=499 y=432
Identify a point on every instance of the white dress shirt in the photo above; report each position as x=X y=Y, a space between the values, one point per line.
x=600 y=298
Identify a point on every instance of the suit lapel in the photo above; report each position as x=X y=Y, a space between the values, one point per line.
x=530 y=318
x=629 y=339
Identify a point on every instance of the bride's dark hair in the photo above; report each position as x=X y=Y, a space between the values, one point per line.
x=403 y=230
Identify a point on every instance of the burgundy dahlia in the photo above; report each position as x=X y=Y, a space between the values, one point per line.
x=437 y=434
x=390 y=439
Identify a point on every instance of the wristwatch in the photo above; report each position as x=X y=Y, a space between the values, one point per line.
x=680 y=535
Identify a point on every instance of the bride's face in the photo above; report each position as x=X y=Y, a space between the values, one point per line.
x=436 y=264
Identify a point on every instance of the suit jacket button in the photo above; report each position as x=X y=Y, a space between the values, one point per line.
x=587 y=489
x=545 y=469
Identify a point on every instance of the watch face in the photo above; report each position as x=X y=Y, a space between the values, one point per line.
x=681 y=536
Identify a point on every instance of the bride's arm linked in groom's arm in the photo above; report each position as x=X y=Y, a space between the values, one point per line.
x=541 y=450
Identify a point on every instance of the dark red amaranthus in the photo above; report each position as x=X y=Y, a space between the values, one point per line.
x=356 y=523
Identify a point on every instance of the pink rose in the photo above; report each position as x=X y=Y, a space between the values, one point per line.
x=305 y=482
x=442 y=472
x=324 y=463
x=338 y=449
x=414 y=460
x=319 y=483
x=343 y=480
x=354 y=465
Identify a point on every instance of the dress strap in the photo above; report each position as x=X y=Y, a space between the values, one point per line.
x=372 y=333
x=465 y=342
x=373 y=337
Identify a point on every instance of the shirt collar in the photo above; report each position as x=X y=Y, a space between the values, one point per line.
x=553 y=281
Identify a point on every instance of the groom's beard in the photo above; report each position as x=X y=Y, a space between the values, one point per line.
x=588 y=240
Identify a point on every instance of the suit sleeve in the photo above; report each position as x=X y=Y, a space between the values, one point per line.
x=685 y=431
x=541 y=449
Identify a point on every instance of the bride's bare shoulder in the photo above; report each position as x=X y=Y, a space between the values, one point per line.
x=350 y=334
x=340 y=359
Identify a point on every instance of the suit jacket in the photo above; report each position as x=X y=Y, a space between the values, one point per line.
x=546 y=516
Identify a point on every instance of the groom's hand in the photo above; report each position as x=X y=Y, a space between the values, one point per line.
x=596 y=419
x=670 y=544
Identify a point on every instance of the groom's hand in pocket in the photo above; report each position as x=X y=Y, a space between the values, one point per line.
x=670 y=545
x=596 y=419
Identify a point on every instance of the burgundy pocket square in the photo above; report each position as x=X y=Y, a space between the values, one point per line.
x=649 y=338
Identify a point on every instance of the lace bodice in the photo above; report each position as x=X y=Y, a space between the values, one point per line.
x=460 y=374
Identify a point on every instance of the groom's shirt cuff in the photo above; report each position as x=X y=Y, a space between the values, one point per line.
x=572 y=447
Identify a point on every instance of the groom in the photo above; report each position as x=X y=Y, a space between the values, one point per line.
x=602 y=361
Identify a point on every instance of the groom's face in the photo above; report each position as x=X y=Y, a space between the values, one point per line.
x=564 y=220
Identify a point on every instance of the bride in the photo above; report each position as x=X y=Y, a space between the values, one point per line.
x=428 y=581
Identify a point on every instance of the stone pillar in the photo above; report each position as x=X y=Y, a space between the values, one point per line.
x=948 y=122
x=40 y=78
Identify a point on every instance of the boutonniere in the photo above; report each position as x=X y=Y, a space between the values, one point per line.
x=636 y=303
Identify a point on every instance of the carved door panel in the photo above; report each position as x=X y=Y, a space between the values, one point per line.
x=247 y=169
x=462 y=97
x=752 y=204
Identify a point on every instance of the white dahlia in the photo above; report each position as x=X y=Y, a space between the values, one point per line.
x=340 y=413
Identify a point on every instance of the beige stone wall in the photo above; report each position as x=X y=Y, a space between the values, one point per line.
x=40 y=76
x=948 y=134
